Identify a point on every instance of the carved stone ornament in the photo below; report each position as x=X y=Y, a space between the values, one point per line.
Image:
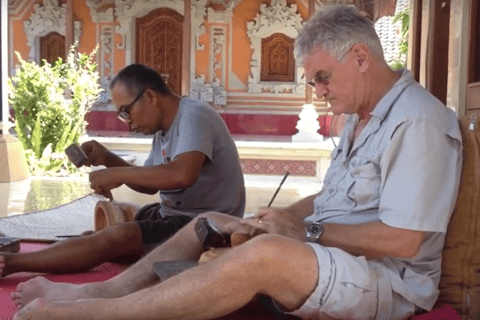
x=212 y=93
x=199 y=10
x=45 y=19
x=106 y=61
x=273 y=19
x=98 y=13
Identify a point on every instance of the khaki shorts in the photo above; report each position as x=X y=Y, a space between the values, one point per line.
x=352 y=288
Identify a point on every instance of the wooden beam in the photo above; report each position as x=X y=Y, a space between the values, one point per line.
x=383 y=8
x=308 y=89
x=437 y=49
x=69 y=36
x=414 y=38
x=187 y=34
x=473 y=52
x=4 y=108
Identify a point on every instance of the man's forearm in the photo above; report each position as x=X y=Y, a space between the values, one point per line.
x=302 y=208
x=152 y=179
x=112 y=160
x=373 y=239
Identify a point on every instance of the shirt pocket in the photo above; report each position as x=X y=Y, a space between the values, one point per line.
x=334 y=164
x=364 y=189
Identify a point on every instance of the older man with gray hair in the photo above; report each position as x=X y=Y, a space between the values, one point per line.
x=367 y=246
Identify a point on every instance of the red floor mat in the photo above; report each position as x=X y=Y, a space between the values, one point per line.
x=108 y=270
x=9 y=284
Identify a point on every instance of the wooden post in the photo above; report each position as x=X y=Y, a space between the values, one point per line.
x=13 y=165
x=414 y=38
x=187 y=34
x=69 y=36
x=4 y=64
x=437 y=49
x=308 y=89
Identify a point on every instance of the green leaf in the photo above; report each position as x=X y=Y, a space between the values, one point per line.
x=37 y=137
x=62 y=143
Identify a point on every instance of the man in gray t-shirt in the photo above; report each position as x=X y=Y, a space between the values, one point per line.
x=193 y=164
x=197 y=127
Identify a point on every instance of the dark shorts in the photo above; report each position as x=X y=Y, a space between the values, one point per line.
x=154 y=227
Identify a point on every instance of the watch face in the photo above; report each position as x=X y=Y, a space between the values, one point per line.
x=314 y=231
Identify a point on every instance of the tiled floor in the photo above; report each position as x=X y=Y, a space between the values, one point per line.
x=45 y=193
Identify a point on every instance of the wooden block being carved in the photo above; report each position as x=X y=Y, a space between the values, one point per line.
x=9 y=244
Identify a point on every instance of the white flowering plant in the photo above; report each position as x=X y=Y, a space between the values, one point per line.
x=50 y=104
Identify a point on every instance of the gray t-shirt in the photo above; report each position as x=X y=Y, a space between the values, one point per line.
x=403 y=170
x=220 y=185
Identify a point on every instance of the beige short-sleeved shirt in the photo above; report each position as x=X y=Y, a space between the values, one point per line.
x=403 y=170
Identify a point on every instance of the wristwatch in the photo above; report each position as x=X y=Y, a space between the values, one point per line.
x=313 y=231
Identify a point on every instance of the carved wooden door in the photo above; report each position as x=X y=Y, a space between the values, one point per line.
x=159 y=39
x=52 y=47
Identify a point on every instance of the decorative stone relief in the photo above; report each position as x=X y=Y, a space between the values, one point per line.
x=220 y=16
x=45 y=19
x=212 y=93
x=227 y=3
x=97 y=13
x=273 y=19
x=218 y=53
x=198 y=23
x=106 y=61
x=15 y=6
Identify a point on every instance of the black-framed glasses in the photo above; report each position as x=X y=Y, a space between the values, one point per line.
x=123 y=112
x=322 y=79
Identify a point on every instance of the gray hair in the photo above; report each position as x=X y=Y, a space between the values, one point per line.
x=335 y=30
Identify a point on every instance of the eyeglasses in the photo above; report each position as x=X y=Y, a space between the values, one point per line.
x=319 y=79
x=123 y=112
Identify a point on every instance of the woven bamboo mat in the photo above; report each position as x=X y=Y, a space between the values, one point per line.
x=50 y=225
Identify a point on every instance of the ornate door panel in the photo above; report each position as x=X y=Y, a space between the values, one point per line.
x=159 y=39
x=52 y=47
x=278 y=63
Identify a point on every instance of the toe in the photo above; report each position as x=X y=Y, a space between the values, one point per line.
x=15 y=295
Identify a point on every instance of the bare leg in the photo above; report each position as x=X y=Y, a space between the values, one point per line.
x=183 y=245
x=77 y=254
x=276 y=266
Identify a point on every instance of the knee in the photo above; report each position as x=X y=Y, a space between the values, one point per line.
x=120 y=234
x=263 y=251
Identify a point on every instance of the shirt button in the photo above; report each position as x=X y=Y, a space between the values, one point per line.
x=331 y=190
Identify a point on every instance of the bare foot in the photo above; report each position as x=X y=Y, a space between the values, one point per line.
x=40 y=287
x=37 y=310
